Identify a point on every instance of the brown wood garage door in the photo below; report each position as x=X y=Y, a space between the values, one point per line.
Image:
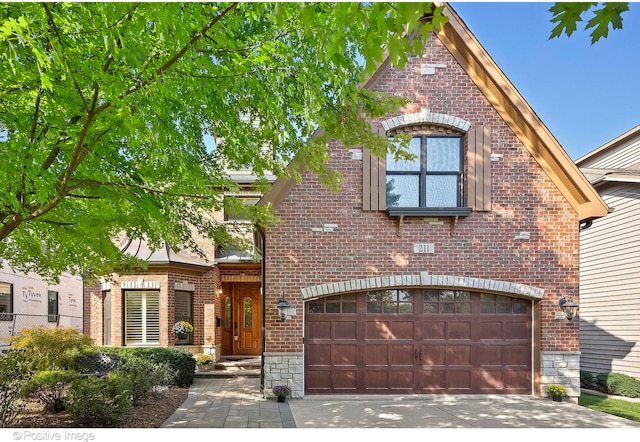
x=418 y=341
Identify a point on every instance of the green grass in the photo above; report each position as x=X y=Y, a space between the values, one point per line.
x=617 y=407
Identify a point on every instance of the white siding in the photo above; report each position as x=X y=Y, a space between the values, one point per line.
x=623 y=156
x=610 y=285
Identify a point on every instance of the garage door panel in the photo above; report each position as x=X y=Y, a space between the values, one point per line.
x=345 y=330
x=403 y=330
x=458 y=380
x=490 y=355
x=458 y=355
x=430 y=379
x=344 y=355
x=377 y=330
x=517 y=355
x=491 y=330
x=434 y=354
x=320 y=329
x=401 y=379
x=376 y=354
x=515 y=330
x=345 y=379
x=459 y=330
x=376 y=380
x=402 y=355
x=488 y=379
x=435 y=330
x=318 y=381
x=319 y=356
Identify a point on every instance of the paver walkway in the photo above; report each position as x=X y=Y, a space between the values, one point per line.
x=229 y=402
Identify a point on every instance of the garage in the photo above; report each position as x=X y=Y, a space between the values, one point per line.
x=418 y=341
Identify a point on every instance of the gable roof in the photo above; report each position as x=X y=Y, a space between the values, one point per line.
x=513 y=109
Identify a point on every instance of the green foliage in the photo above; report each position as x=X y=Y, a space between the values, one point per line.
x=12 y=379
x=43 y=348
x=107 y=110
x=143 y=375
x=568 y=15
x=100 y=402
x=586 y=378
x=616 y=407
x=50 y=387
x=619 y=384
x=556 y=390
x=173 y=365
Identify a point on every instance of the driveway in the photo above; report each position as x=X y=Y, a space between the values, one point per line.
x=436 y=411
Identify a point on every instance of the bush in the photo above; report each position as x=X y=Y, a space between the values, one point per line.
x=176 y=366
x=12 y=380
x=44 y=348
x=586 y=379
x=100 y=402
x=143 y=374
x=50 y=388
x=619 y=384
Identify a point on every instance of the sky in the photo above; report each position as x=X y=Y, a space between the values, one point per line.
x=585 y=94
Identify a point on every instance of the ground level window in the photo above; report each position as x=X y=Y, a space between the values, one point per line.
x=390 y=301
x=52 y=306
x=6 y=301
x=142 y=317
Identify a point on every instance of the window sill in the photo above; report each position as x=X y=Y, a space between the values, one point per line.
x=429 y=211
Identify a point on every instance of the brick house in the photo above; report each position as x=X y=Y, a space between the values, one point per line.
x=442 y=275
x=219 y=295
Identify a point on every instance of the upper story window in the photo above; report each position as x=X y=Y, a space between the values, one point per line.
x=238 y=210
x=433 y=179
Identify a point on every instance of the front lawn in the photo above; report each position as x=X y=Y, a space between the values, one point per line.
x=617 y=407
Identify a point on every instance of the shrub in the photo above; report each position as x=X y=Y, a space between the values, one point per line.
x=586 y=379
x=177 y=366
x=100 y=402
x=143 y=375
x=12 y=380
x=44 y=348
x=619 y=384
x=49 y=387
x=282 y=390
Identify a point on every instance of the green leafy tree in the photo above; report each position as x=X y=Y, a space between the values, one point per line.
x=106 y=109
x=568 y=15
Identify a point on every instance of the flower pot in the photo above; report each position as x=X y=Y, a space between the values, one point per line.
x=181 y=335
x=205 y=367
x=557 y=398
x=282 y=398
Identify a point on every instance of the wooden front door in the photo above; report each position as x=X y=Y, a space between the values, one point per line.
x=242 y=334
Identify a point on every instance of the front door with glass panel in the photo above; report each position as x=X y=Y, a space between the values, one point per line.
x=243 y=321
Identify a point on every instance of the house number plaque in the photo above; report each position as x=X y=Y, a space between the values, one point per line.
x=423 y=247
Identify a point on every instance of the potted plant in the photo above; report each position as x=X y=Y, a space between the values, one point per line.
x=204 y=361
x=282 y=392
x=181 y=328
x=556 y=391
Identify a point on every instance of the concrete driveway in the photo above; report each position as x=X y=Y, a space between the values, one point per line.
x=436 y=411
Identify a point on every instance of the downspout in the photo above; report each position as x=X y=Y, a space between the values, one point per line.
x=264 y=304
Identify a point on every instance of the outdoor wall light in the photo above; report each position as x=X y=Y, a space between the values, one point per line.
x=283 y=306
x=568 y=306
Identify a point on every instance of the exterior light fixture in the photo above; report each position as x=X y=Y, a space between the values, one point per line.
x=568 y=306
x=283 y=306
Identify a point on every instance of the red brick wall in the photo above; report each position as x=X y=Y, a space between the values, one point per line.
x=482 y=245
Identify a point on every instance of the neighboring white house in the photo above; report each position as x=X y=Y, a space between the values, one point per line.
x=26 y=300
x=610 y=260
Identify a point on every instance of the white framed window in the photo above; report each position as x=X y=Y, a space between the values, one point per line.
x=142 y=317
